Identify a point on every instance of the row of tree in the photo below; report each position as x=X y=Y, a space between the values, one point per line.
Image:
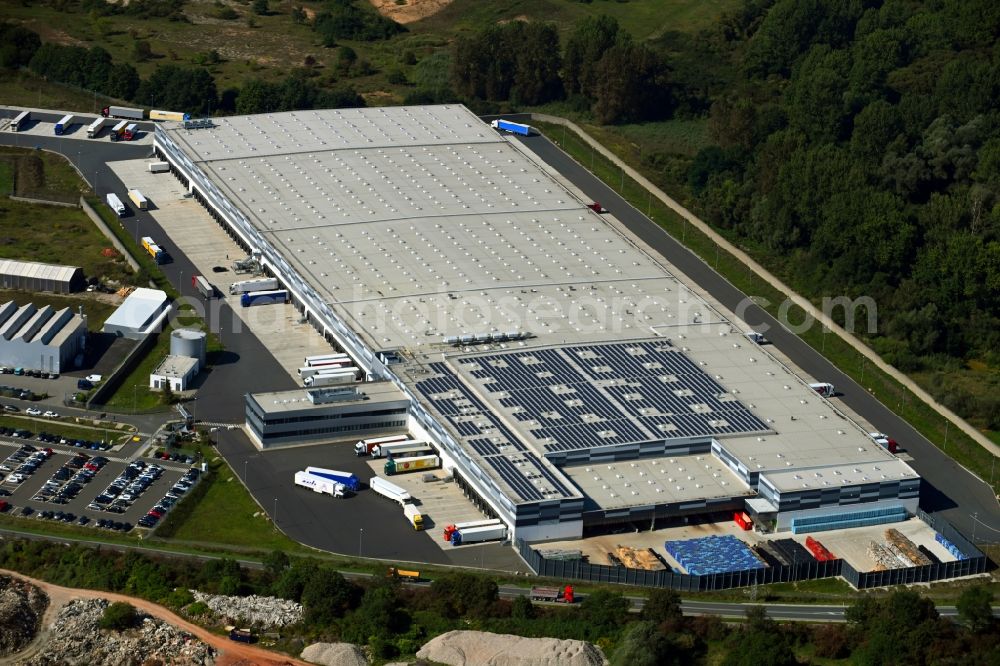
x=191 y=90
x=602 y=67
x=899 y=628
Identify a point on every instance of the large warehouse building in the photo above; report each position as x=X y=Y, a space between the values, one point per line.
x=40 y=338
x=568 y=377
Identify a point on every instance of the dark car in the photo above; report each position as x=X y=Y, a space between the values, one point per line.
x=27 y=511
x=82 y=520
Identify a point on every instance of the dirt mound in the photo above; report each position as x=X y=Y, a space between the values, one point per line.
x=335 y=654
x=468 y=648
x=412 y=10
x=21 y=608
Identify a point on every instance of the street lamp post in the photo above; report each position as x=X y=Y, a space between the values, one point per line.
x=245 y=470
x=361 y=533
x=275 y=513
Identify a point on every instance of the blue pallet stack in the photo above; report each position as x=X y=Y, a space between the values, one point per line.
x=951 y=548
x=713 y=554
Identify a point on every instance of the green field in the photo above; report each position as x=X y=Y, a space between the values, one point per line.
x=223 y=513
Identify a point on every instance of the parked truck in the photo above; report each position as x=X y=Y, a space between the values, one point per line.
x=159 y=167
x=454 y=527
x=350 y=481
x=140 y=201
x=257 y=284
x=241 y=635
x=365 y=446
x=118 y=131
x=824 y=389
x=154 y=250
x=886 y=442
x=561 y=595
x=64 y=123
x=404 y=465
x=168 y=115
x=322 y=358
x=131 y=132
x=403 y=574
x=400 y=448
x=94 y=129
x=319 y=484
x=389 y=490
x=122 y=112
x=331 y=378
x=479 y=534
x=315 y=370
x=115 y=204
x=269 y=297
x=512 y=127
x=414 y=516
x=20 y=122
x=204 y=287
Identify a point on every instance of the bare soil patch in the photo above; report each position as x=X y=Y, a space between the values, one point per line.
x=413 y=10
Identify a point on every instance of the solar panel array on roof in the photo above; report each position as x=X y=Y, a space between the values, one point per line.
x=490 y=439
x=599 y=395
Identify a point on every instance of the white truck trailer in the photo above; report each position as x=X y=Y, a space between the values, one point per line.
x=325 y=359
x=257 y=284
x=332 y=378
x=94 y=129
x=389 y=490
x=365 y=446
x=479 y=534
x=319 y=484
x=115 y=204
x=401 y=448
x=159 y=167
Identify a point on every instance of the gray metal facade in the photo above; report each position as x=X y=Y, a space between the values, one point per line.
x=323 y=422
x=35 y=276
x=40 y=338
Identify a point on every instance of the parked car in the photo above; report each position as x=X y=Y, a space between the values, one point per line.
x=49 y=414
x=10 y=408
x=33 y=411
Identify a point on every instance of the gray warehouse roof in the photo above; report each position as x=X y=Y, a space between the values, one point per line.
x=33 y=269
x=421 y=224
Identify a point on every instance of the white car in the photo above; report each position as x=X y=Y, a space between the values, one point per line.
x=94 y=378
x=49 y=414
x=32 y=411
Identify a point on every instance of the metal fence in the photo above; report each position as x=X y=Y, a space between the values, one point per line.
x=975 y=563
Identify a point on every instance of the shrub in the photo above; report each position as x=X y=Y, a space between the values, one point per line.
x=118 y=616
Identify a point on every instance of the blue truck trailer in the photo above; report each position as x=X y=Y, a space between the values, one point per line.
x=350 y=481
x=264 y=297
x=512 y=127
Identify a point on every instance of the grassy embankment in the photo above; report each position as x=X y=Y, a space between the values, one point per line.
x=71 y=427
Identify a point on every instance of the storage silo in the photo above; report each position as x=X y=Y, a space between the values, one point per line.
x=188 y=342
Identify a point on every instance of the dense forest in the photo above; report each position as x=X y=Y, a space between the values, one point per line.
x=395 y=620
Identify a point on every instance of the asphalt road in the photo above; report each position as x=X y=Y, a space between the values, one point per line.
x=947 y=488
x=363 y=524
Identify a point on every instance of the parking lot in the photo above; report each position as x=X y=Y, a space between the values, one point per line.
x=69 y=481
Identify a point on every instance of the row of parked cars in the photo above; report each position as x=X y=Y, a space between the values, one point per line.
x=23 y=372
x=49 y=438
x=67 y=481
x=23 y=462
x=126 y=489
x=169 y=499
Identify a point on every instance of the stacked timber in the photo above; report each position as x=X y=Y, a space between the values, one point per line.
x=906 y=548
x=639 y=558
